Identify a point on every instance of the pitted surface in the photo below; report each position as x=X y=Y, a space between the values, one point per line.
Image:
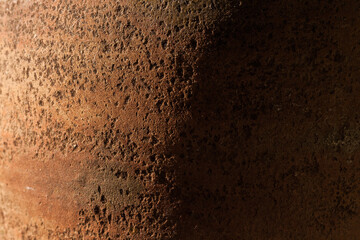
x=92 y=93
x=179 y=120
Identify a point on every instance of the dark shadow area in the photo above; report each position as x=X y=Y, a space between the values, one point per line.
x=264 y=156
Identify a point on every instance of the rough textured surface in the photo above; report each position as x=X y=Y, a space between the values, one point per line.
x=165 y=119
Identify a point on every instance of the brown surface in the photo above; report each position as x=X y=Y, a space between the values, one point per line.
x=179 y=120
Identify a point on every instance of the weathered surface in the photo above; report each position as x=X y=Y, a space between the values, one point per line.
x=179 y=120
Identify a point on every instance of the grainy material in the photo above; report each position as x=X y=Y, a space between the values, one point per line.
x=162 y=119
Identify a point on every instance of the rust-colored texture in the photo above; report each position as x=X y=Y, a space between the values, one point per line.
x=169 y=119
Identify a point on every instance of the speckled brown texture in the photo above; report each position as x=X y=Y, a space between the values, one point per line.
x=163 y=119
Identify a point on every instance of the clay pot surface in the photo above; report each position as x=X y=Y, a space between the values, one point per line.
x=163 y=119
